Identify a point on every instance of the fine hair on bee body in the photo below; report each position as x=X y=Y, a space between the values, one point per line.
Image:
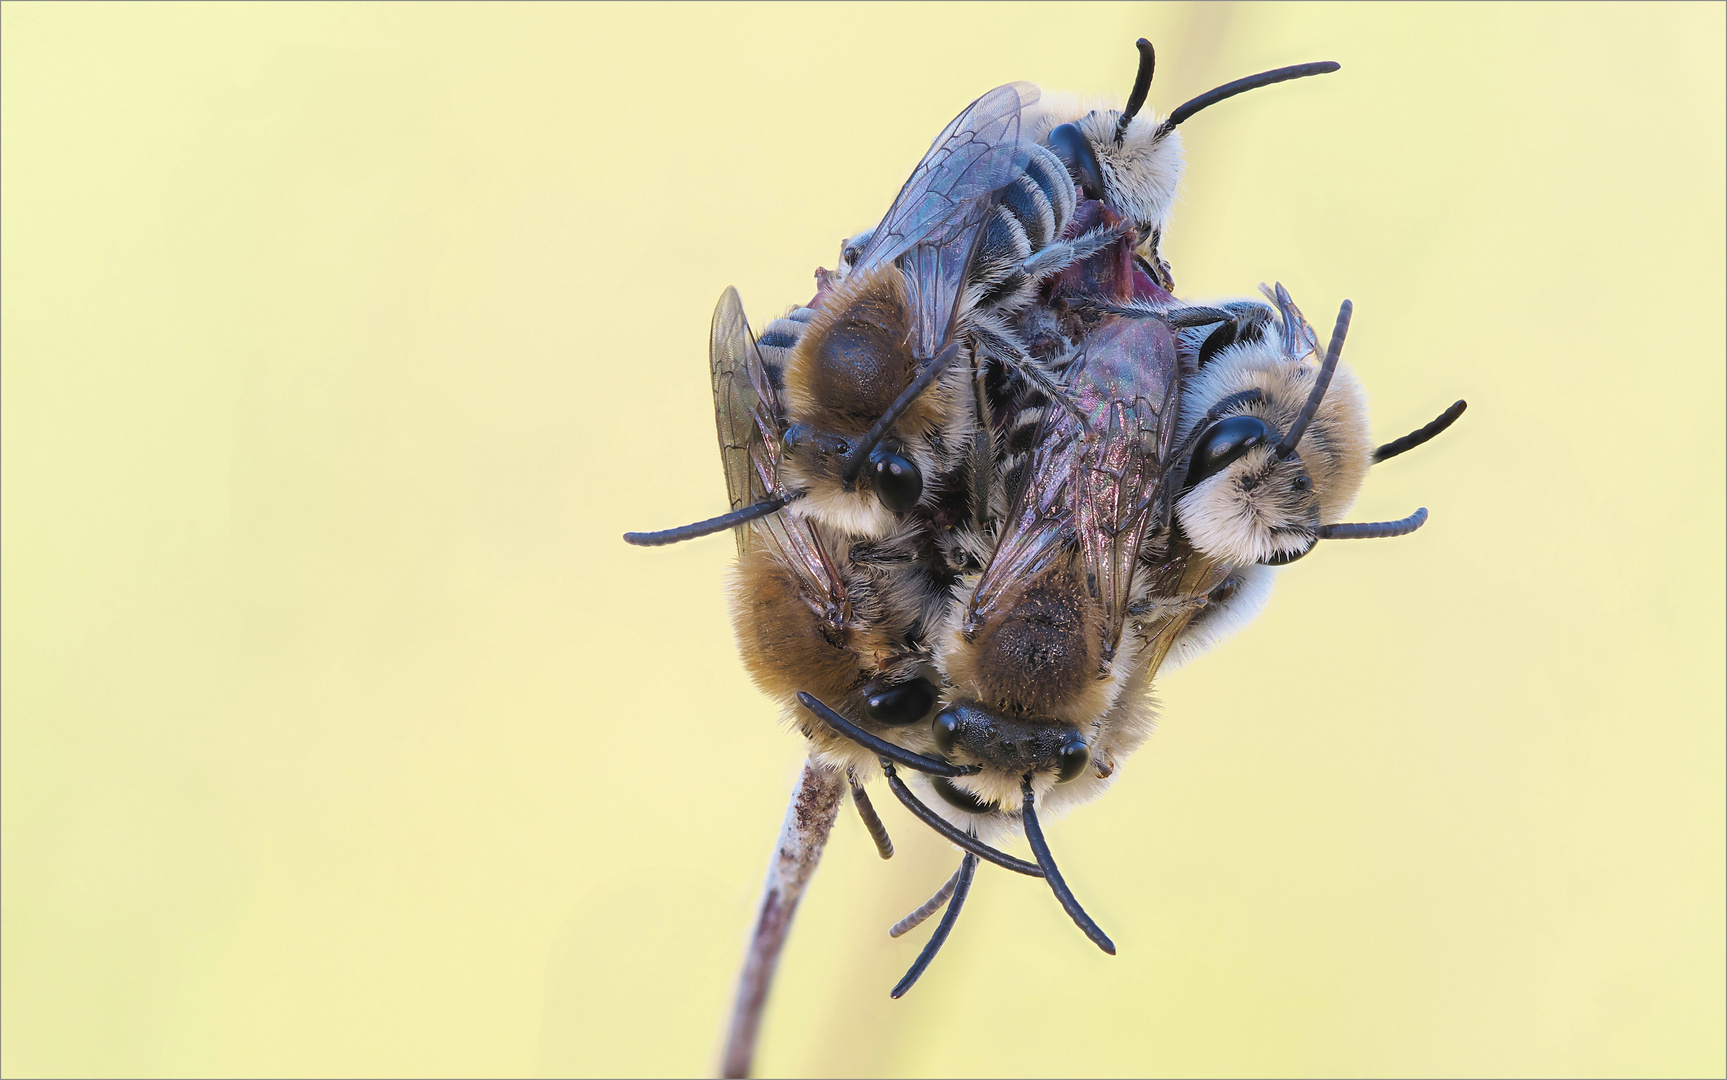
x=1280 y=446
x=1130 y=159
x=993 y=478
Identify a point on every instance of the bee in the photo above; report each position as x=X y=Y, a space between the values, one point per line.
x=882 y=419
x=1131 y=162
x=1280 y=446
x=813 y=608
x=1039 y=677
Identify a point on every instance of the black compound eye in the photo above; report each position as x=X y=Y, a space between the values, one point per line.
x=1074 y=757
x=1223 y=443
x=898 y=483
x=904 y=703
x=1284 y=558
x=945 y=728
x=1070 y=145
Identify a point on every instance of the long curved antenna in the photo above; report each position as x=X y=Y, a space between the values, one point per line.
x=740 y=516
x=871 y=820
x=878 y=746
x=962 y=886
x=1040 y=849
x=1299 y=428
x=1421 y=434
x=1241 y=86
x=955 y=836
x=1141 y=87
x=854 y=461
x=1371 y=530
x=926 y=909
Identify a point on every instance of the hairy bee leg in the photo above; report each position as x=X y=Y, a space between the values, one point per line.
x=871 y=820
x=1040 y=848
x=880 y=747
x=926 y=909
x=962 y=840
x=1004 y=351
x=983 y=448
x=1064 y=253
x=962 y=886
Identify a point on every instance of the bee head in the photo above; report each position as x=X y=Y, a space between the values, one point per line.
x=1279 y=448
x=853 y=369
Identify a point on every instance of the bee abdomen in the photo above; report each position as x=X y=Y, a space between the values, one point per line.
x=1046 y=171
x=777 y=341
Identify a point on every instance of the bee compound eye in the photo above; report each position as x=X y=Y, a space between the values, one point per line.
x=898 y=483
x=1223 y=443
x=1070 y=145
x=1072 y=760
x=945 y=728
x=902 y=703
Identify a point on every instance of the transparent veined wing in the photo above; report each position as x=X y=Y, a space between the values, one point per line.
x=1128 y=395
x=1094 y=478
x=740 y=411
x=935 y=220
x=751 y=423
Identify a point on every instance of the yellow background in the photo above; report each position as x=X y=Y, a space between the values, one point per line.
x=343 y=735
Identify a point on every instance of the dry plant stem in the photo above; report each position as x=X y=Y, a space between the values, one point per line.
x=815 y=803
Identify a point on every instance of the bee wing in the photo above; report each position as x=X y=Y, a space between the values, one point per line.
x=1129 y=397
x=748 y=414
x=938 y=212
x=1039 y=526
x=751 y=422
x=1096 y=482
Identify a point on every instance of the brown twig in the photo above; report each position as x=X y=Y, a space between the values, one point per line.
x=815 y=803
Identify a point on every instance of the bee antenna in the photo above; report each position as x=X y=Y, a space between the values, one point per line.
x=961 y=885
x=871 y=820
x=1299 y=428
x=1241 y=86
x=880 y=747
x=1373 y=530
x=1420 y=435
x=1141 y=87
x=926 y=909
x=854 y=461
x=951 y=833
x=740 y=516
x=1040 y=851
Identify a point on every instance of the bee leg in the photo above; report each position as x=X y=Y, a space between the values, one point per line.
x=1015 y=359
x=871 y=820
x=1046 y=861
x=983 y=450
x=962 y=886
x=925 y=910
x=1064 y=253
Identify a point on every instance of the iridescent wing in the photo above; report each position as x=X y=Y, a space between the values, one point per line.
x=751 y=423
x=934 y=221
x=1094 y=482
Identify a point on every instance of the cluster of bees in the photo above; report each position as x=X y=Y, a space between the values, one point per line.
x=995 y=475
